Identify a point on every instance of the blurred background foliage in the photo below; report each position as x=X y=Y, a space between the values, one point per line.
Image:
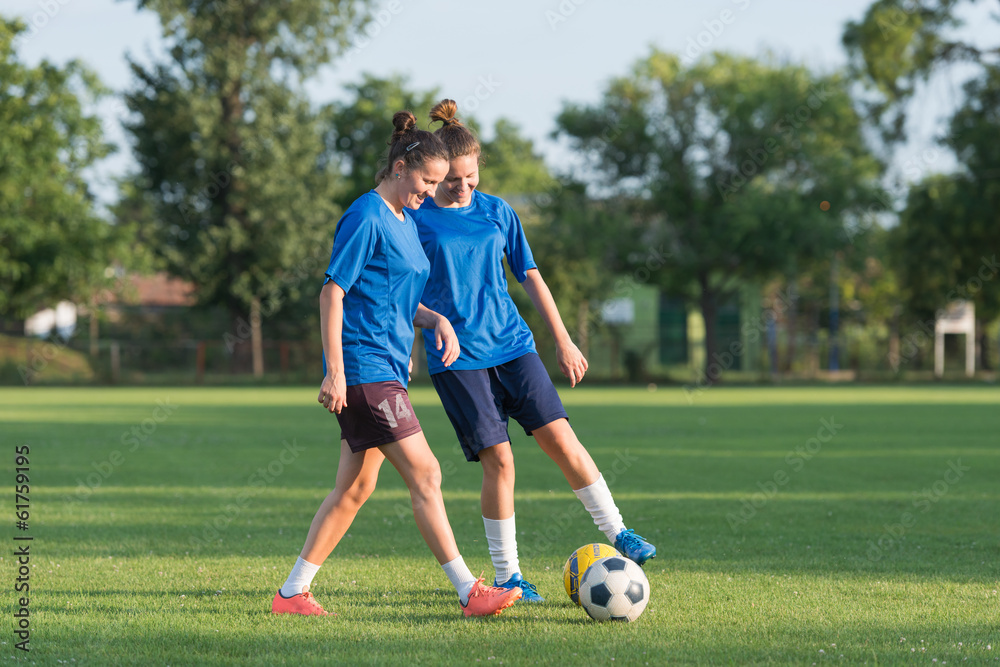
x=732 y=211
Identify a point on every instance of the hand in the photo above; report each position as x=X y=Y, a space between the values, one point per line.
x=333 y=392
x=444 y=335
x=572 y=363
x=409 y=370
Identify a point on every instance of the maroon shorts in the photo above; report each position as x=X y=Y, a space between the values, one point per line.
x=377 y=413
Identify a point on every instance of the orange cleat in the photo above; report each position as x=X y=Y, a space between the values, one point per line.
x=304 y=603
x=489 y=600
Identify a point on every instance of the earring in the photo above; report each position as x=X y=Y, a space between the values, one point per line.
x=397 y=175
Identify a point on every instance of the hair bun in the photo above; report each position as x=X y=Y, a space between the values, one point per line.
x=444 y=111
x=403 y=121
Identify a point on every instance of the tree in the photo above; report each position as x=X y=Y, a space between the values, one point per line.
x=725 y=164
x=852 y=289
x=944 y=246
x=973 y=137
x=53 y=244
x=512 y=168
x=901 y=43
x=231 y=152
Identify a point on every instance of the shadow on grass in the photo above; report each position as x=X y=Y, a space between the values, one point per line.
x=955 y=540
x=844 y=510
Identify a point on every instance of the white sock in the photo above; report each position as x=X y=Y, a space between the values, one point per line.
x=502 y=540
x=461 y=577
x=300 y=578
x=597 y=499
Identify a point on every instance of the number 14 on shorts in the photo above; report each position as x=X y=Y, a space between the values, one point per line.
x=403 y=412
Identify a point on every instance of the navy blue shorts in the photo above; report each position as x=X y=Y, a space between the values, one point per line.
x=480 y=402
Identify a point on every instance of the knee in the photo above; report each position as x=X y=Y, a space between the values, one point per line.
x=498 y=464
x=567 y=447
x=358 y=493
x=427 y=480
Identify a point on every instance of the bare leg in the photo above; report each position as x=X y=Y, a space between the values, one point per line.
x=356 y=478
x=497 y=497
x=558 y=440
x=418 y=467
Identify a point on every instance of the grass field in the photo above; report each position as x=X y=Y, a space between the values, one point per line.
x=842 y=525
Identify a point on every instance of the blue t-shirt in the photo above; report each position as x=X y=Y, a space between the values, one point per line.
x=466 y=247
x=378 y=261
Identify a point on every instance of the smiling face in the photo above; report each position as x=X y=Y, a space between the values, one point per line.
x=415 y=185
x=462 y=179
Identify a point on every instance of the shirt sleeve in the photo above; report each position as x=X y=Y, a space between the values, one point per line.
x=353 y=247
x=517 y=251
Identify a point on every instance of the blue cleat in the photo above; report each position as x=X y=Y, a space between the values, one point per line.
x=528 y=591
x=634 y=547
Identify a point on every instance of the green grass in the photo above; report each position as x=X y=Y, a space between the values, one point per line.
x=174 y=557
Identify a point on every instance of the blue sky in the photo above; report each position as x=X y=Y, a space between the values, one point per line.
x=521 y=61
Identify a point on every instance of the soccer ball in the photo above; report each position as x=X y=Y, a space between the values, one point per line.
x=578 y=563
x=614 y=589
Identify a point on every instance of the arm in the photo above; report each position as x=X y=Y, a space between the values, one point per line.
x=571 y=361
x=333 y=392
x=444 y=334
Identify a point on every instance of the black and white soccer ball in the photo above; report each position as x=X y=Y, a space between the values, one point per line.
x=614 y=589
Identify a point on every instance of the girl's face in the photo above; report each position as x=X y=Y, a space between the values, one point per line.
x=417 y=184
x=461 y=180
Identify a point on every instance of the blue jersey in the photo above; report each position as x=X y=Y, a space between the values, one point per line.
x=466 y=247
x=378 y=261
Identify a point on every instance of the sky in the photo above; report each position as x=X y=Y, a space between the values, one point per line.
x=519 y=59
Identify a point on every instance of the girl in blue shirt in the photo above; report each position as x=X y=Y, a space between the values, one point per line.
x=368 y=307
x=466 y=235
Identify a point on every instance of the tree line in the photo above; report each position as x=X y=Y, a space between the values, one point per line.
x=697 y=177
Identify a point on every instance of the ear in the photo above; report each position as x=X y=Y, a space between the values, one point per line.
x=399 y=166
